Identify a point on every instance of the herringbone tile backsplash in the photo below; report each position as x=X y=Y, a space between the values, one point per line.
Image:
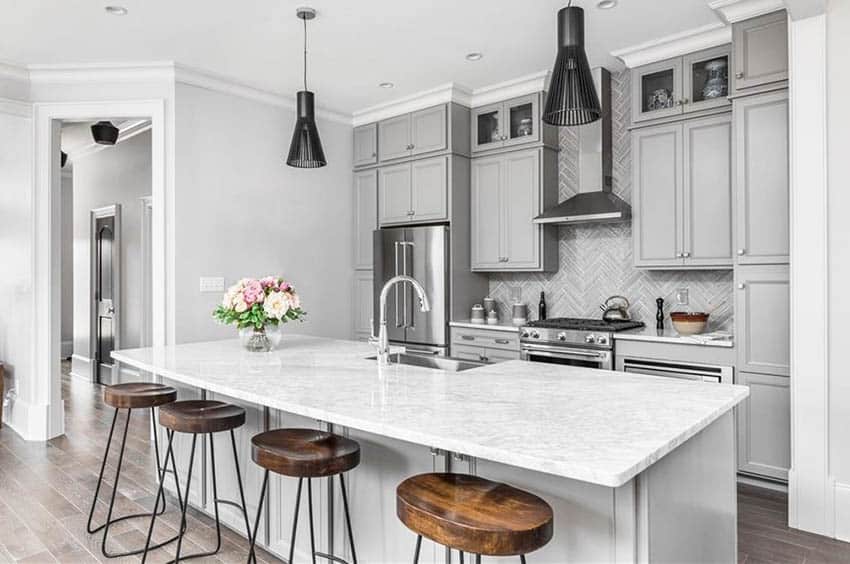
x=596 y=259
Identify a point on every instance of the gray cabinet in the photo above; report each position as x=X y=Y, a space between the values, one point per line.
x=504 y=124
x=762 y=319
x=413 y=191
x=761 y=178
x=365 y=216
x=760 y=50
x=408 y=135
x=507 y=191
x=657 y=90
x=764 y=426
x=484 y=345
x=366 y=145
x=683 y=194
x=363 y=299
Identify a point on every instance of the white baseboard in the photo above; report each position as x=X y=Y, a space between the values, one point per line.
x=766 y=484
x=66 y=349
x=82 y=367
x=842 y=511
x=35 y=422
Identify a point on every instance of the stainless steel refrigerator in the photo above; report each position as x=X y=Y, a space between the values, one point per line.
x=420 y=252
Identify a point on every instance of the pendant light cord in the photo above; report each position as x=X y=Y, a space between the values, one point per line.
x=305 y=53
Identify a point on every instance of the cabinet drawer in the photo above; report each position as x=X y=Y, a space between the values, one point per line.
x=483 y=354
x=484 y=338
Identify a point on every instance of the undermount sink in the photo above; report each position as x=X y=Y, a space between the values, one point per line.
x=435 y=362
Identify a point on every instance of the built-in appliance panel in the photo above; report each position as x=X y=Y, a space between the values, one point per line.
x=724 y=356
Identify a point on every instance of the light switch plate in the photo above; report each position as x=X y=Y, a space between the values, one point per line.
x=212 y=284
x=682 y=297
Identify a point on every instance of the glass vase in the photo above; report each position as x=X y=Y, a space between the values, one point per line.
x=262 y=339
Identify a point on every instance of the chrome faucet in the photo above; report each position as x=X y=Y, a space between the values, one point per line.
x=382 y=341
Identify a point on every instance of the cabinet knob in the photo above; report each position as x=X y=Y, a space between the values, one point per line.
x=739 y=74
x=374 y=154
x=679 y=255
x=741 y=252
x=683 y=101
x=504 y=137
x=741 y=286
x=686 y=254
x=411 y=212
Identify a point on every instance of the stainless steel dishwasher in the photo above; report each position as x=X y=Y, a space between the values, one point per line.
x=713 y=374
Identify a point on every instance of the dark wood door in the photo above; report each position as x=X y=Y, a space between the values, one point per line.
x=105 y=277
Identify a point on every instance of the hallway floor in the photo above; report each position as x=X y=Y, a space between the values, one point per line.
x=46 y=489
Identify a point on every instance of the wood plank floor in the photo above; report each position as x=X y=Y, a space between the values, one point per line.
x=46 y=491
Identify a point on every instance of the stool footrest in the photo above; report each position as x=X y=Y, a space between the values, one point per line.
x=331 y=557
x=230 y=503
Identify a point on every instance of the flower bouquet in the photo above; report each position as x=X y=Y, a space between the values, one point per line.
x=258 y=308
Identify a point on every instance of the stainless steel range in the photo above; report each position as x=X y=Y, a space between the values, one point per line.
x=572 y=341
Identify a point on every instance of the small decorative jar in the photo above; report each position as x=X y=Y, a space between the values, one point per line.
x=524 y=129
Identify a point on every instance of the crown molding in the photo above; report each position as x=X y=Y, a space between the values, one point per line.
x=453 y=92
x=731 y=11
x=15 y=108
x=101 y=72
x=676 y=45
x=14 y=72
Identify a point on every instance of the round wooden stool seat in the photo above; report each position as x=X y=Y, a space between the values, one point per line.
x=136 y=395
x=201 y=416
x=304 y=453
x=475 y=515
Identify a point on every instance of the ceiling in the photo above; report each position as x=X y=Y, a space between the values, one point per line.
x=354 y=45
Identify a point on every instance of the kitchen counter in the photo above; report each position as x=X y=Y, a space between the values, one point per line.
x=669 y=335
x=470 y=325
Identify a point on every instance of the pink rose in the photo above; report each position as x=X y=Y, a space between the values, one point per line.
x=268 y=282
x=253 y=292
x=285 y=286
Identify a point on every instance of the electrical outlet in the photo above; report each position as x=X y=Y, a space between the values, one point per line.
x=682 y=296
x=212 y=284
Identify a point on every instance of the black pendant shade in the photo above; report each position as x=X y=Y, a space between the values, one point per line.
x=572 y=97
x=63 y=158
x=305 y=149
x=104 y=133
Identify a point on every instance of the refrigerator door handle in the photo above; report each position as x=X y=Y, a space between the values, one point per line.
x=395 y=245
x=407 y=287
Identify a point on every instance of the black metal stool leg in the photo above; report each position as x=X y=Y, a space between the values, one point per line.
x=168 y=453
x=310 y=514
x=460 y=552
x=418 y=547
x=347 y=519
x=522 y=558
x=295 y=521
x=215 y=500
x=477 y=559
x=115 y=485
x=251 y=553
x=186 y=502
x=241 y=489
x=89 y=528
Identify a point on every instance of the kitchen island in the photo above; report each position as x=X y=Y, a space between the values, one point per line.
x=636 y=468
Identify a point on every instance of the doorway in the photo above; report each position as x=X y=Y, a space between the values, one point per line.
x=106 y=289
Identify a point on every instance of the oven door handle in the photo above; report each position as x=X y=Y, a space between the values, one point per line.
x=575 y=355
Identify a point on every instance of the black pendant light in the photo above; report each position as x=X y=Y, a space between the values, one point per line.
x=63 y=158
x=104 y=133
x=305 y=149
x=572 y=97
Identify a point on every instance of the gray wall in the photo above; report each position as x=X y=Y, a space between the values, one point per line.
x=117 y=175
x=596 y=259
x=240 y=211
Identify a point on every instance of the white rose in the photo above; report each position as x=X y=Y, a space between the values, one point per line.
x=276 y=305
x=294 y=300
x=239 y=304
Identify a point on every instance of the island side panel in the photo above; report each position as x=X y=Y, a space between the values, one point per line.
x=687 y=501
x=182 y=448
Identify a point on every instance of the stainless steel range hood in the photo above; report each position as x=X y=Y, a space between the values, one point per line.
x=595 y=202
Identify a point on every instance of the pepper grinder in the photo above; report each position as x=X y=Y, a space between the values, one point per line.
x=659 y=315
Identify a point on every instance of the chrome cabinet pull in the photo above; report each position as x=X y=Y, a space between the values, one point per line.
x=502 y=342
x=407 y=287
x=739 y=74
x=741 y=252
x=467 y=337
x=687 y=254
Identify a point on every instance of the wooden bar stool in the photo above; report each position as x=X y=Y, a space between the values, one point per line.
x=471 y=514
x=305 y=453
x=200 y=417
x=130 y=396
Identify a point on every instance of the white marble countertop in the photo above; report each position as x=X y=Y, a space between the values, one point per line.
x=669 y=335
x=467 y=324
x=596 y=426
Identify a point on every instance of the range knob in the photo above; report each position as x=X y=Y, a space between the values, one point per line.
x=562 y=336
x=602 y=340
x=524 y=334
x=535 y=335
x=590 y=339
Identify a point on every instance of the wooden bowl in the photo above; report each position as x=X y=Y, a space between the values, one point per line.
x=689 y=323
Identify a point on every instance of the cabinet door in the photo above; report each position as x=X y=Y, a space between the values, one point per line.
x=429 y=189
x=657 y=90
x=486 y=212
x=761 y=50
x=428 y=130
x=522 y=120
x=365 y=216
x=762 y=319
x=521 y=237
x=708 y=191
x=394 y=138
x=366 y=144
x=657 y=205
x=363 y=304
x=394 y=194
x=761 y=178
x=487 y=127
x=706 y=79
x=764 y=426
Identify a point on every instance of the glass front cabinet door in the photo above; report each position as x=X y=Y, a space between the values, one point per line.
x=487 y=127
x=514 y=122
x=706 y=76
x=657 y=90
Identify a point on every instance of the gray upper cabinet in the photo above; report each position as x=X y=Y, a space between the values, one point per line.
x=657 y=90
x=761 y=178
x=762 y=319
x=761 y=50
x=424 y=131
x=764 y=426
x=365 y=216
x=504 y=124
x=705 y=79
x=683 y=194
x=413 y=191
x=508 y=191
x=366 y=145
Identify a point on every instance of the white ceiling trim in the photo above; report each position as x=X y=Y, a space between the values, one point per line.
x=126 y=130
x=15 y=72
x=100 y=72
x=15 y=108
x=676 y=45
x=737 y=10
x=453 y=92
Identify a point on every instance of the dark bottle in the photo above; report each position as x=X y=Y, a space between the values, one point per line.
x=541 y=307
x=659 y=315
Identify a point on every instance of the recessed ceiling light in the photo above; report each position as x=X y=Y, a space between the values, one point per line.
x=606 y=4
x=116 y=10
x=474 y=56
x=386 y=85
